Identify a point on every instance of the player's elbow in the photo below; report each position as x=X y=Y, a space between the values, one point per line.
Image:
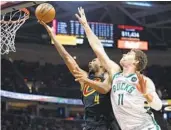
x=102 y=89
x=98 y=48
x=104 y=92
x=157 y=106
x=106 y=89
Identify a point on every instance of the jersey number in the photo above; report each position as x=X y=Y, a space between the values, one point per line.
x=120 y=99
x=96 y=99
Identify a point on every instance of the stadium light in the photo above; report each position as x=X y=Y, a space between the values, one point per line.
x=139 y=4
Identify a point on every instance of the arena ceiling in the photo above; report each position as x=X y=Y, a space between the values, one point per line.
x=155 y=16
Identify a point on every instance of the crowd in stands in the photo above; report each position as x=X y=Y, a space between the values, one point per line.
x=27 y=118
x=50 y=80
x=27 y=122
x=161 y=77
x=56 y=80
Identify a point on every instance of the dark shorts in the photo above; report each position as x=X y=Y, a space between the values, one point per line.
x=95 y=127
x=101 y=125
x=114 y=125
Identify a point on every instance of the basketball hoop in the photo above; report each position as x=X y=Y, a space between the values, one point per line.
x=10 y=23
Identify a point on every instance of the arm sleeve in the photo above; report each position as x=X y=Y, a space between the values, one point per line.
x=156 y=103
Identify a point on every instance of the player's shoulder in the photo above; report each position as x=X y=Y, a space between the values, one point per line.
x=116 y=75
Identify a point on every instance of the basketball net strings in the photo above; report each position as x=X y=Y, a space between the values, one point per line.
x=8 y=31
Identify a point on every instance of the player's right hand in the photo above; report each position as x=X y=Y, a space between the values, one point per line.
x=82 y=18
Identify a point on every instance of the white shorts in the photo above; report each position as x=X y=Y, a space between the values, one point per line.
x=152 y=127
x=148 y=127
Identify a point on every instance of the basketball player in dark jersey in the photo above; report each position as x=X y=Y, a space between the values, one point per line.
x=98 y=110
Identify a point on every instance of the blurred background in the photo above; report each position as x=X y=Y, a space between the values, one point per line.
x=37 y=90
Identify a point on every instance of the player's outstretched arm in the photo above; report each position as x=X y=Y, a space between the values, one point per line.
x=68 y=59
x=147 y=88
x=101 y=87
x=96 y=45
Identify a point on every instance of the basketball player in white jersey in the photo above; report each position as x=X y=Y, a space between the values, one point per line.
x=132 y=94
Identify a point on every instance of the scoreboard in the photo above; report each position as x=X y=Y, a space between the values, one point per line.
x=130 y=37
x=74 y=30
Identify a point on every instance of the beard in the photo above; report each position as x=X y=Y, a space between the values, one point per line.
x=93 y=69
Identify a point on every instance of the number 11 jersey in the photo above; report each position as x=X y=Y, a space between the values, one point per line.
x=130 y=107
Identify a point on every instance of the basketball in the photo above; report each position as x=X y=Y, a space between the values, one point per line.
x=45 y=12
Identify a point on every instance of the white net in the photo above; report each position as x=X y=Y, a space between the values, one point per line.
x=10 y=23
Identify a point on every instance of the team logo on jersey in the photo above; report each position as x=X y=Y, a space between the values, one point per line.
x=133 y=79
x=123 y=86
x=87 y=90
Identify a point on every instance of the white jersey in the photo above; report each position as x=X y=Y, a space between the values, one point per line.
x=129 y=104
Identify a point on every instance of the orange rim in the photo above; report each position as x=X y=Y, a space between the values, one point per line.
x=26 y=11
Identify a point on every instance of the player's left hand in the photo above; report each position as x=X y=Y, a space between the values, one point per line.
x=80 y=76
x=82 y=18
x=141 y=86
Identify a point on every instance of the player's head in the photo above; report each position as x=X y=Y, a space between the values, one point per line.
x=95 y=66
x=135 y=58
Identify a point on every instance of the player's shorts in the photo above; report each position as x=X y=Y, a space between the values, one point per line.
x=95 y=127
x=152 y=127
x=95 y=124
x=148 y=127
x=114 y=125
x=98 y=126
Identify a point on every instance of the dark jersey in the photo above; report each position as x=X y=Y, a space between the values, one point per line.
x=97 y=106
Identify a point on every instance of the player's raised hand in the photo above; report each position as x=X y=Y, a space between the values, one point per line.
x=80 y=76
x=49 y=29
x=141 y=86
x=81 y=17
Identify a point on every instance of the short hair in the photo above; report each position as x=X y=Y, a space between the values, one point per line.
x=142 y=58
